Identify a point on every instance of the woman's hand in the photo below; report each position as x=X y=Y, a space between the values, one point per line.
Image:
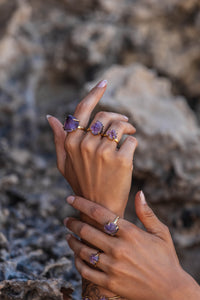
x=134 y=264
x=93 y=165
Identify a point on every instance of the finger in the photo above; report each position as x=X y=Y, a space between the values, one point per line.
x=95 y=211
x=97 y=277
x=84 y=252
x=117 y=128
x=128 y=147
x=149 y=219
x=90 y=234
x=91 y=141
x=59 y=139
x=86 y=106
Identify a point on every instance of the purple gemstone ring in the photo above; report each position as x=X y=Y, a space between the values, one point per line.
x=72 y=124
x=94 y=258
x=112 y=228
x=96 y=128
x=111 y=135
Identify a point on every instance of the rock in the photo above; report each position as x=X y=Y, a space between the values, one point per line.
x=165 y=127
x=3 y=241
x=35 y=290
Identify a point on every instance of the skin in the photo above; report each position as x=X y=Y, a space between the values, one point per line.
x=93 y=165
x=135 y=264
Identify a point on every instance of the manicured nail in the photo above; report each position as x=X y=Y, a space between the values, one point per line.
x=65 y=221
x=48 y=116
x=125 y=117
x=102 y=84
x=68 y=236
x=142 y=198
x=70 y=199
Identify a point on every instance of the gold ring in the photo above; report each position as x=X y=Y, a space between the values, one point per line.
x=94 y=258
x=81 y=127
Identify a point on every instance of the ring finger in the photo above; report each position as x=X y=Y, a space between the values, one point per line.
x=85 y=253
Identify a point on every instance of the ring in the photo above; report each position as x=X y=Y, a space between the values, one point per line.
x=72 y=124
x=94 y=258
x=112 y=228
x=96 y=128
x=111 y=135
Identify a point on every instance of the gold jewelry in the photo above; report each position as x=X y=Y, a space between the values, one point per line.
x=81 y=127
x=103 y=298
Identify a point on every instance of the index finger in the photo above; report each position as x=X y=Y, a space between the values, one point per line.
x=86 y=106
x=95 y=211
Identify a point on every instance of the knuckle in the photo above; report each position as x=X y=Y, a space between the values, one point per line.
x=86 y=146
x=82 y=252
x=83 y=231
x=118 y=251
x=120 y=125
x=82 y=106
x=103 y=152
x=101 y=114
x=111 y=283
x=132 y=140
x=84 y=272
x=95 y=211
x=113 y=269
x=70 y=143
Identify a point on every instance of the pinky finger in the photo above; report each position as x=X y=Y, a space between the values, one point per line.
x=128 y=147
x=95 y=276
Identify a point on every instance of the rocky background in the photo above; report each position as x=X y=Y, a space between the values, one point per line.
x=51 y=53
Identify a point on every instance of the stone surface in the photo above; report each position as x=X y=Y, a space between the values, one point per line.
x=48 y=51
x=96 y=128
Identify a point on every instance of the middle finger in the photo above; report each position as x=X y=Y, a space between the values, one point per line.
x=90 y=234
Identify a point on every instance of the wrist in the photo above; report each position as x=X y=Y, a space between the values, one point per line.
x=186 y=288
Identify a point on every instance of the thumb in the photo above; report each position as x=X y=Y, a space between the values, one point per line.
x=149 y=219
x=59 y=140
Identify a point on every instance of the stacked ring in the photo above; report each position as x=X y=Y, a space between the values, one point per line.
x=72 y=124
x=96 y=128
x=111 y=135
x=94 y=258
x=112 y=228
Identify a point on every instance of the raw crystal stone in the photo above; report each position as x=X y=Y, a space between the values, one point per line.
x=96 y=128
x=71 y=123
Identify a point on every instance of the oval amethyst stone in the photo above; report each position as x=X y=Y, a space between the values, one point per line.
x=96 y=128
x=111 y=134
x=71 y=123
x=111 y=228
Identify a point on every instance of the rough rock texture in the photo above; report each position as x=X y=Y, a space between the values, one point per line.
x=166 y=162
x=48 y=51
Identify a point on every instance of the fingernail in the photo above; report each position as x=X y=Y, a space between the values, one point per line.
x=102 y=83
x=65 y=221
x=48 y=116
x=142 y=198
x=70 y=199
x=68 y=237
x=125 y=117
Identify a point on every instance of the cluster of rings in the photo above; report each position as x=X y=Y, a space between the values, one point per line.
x=72 y=124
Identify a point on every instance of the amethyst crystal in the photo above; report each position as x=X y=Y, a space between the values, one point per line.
x=112 y=135
x=71 y=123
x=96 y=128
x=111 y=228
x=94 y=258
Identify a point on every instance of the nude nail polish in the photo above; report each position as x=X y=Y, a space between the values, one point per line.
x=102 y=83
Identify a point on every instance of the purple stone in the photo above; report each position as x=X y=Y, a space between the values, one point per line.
x=71 y=123
x=111 y=228
x=94 y=258
x=96 y=128
x=112 y=134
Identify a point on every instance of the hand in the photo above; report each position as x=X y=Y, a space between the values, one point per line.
x=93 y=165
x=135 y=264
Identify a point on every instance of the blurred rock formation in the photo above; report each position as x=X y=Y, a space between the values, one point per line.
x=149 y=50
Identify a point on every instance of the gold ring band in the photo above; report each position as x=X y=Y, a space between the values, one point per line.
x=81 y=127
x=115 y=140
